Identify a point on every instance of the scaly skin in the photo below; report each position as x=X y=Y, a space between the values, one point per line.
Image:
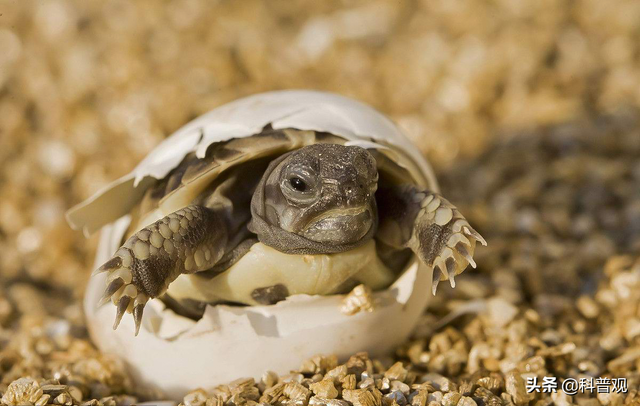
x=442 y=238
x=430 y=226
x=186 y=241
x=322 y=198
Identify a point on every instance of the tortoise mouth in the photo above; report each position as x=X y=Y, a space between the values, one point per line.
x=343 y=226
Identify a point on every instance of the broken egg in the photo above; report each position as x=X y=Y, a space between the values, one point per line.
x=174 y=354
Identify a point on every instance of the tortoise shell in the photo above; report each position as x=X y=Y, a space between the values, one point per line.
x=234 y=133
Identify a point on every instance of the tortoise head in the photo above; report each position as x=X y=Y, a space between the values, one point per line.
x=324 y=193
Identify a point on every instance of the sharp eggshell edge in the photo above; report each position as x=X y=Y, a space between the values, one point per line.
x=173 y=355
x=301 y=109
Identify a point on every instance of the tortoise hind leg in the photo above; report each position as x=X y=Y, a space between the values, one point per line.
x=192 y=239
x=431 y=226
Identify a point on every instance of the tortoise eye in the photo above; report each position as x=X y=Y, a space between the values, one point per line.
x=298 y=184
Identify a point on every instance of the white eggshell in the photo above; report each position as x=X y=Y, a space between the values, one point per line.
x=301 y=109
x=173 y=354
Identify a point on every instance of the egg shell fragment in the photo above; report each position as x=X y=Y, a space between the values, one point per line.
x=301 y=109
x=172 y=354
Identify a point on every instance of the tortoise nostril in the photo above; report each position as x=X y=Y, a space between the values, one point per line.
x=348 y=189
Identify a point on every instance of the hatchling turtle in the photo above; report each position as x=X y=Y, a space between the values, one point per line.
x=286 y=195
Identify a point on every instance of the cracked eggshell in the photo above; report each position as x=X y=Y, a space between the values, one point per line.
x=172 y=354
x=301 y=109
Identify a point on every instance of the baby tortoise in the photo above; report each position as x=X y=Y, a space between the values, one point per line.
x=303 y=195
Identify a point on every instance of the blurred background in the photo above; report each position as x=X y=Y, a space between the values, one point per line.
x=88 y=88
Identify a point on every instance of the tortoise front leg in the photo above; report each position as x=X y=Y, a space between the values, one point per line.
x=189 y=240
x=431 y=226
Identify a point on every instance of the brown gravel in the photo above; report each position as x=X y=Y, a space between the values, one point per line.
x=528 y=108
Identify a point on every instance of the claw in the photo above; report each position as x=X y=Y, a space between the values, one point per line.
x=123 y=305
x=98 y=271
x=110 y=265
x=473 y=233
x=138 y=309
x=104 y=300
x=435 y=279
x=111 y=289
x=137 y=317
x=443 y=268
x=465 y=253
x=451 y=270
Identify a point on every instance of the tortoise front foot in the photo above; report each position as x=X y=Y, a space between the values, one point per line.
x=443 y=239
x=187 y=241
x=125 y=293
